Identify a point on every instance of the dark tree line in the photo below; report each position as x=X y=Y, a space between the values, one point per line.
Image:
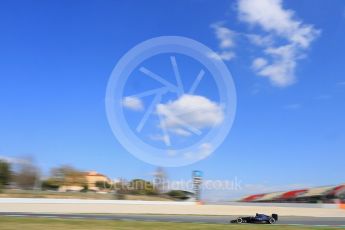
x=24 y=175
x=5 y=174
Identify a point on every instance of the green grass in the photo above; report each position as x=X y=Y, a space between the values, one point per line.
x=19 y=223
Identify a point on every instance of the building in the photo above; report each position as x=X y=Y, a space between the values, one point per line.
x=76 y=183
x=92 y=177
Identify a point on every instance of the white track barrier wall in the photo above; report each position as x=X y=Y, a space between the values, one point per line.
x=157 y=207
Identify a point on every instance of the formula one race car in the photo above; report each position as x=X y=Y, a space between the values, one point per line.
x=257 y=219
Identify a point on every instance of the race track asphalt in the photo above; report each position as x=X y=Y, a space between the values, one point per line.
x=285 y=220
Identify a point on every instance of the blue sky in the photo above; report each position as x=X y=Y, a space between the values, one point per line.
x=57 y=56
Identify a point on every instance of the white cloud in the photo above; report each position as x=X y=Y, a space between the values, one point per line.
x=223 y=55
x=133 y=103
x=203 y=151
x=277 y=21
x=260 y=40
x=259 y=63
x=281 y=70
x=224 y=35
x=270 y=15
x=226 y=38
x=189 y=114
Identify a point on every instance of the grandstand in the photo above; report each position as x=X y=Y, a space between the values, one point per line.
x=325 y=194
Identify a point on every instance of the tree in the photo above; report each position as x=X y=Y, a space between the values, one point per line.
x=49 y=184
x=142 y=187
x=121 y=189
x=160 y=180
x=68 y=176
x=5 y=173
x=27 y=175
x=103 y=185
x=179 y=194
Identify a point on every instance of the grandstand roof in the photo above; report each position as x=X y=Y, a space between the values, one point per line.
x=252 y=197
x=316 y=191
x=270 y=196
x=301 y=193
x=337 y=190
x=292 y=194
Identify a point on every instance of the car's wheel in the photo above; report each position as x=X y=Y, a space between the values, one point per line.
x=271 y=220
x=239 y=220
